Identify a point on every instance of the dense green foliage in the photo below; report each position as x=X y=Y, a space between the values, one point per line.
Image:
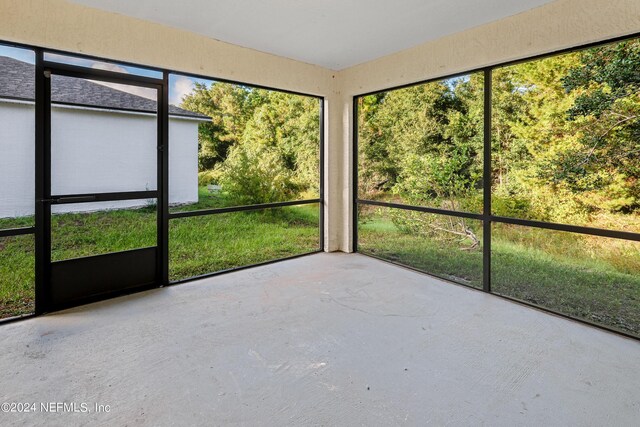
x=423 y=144
x=261 y=146
x=565 y=148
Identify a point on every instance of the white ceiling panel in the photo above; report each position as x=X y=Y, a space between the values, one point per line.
x=335 y=34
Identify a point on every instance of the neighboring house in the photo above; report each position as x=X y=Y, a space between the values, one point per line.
x=102 y=140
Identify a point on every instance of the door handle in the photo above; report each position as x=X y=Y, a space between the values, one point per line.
x=70 y=199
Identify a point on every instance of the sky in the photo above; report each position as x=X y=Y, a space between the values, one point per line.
x=179 y=85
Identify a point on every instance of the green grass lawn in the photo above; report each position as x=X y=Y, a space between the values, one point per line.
x=197 y=245
x=381 y=238
x=17 y=274
x=596 y=279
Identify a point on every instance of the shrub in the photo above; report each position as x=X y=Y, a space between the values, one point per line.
x=255 y=173
x=510 y=206
x=211 y=176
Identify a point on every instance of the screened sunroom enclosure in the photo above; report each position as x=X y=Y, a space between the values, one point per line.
x=450 y=201
x=338 y=213
x=518 y=179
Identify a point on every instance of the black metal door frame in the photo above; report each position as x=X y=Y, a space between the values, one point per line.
x=155 y=258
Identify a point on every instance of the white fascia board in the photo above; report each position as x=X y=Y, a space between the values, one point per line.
x=107 y=110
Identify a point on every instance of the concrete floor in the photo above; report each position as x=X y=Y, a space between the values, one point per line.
x=328 y=339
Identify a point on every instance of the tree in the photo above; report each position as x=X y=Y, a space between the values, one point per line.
x=377 y=172
x=605 y=168
x=568 y=128
x=230 y=106
x=261 y=145
x=530 y=133
x=423 y=144
x=277 y=157
x=289 y=126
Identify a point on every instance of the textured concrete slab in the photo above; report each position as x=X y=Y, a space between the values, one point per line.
x=329 y=339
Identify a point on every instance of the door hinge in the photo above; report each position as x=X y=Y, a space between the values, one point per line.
x=47 y=74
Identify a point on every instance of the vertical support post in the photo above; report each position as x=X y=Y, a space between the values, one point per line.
x=163 y=182
x=42 y=184
x=486 y=183
x=323 y=145
x=40 y=302
x=354 y=168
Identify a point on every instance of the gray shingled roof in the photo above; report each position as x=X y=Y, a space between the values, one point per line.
x=17 y=82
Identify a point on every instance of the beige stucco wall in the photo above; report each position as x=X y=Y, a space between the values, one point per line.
x=563 y=23
x=67 y=26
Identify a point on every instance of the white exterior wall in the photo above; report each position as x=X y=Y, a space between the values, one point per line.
x=93 y=151
x=17 y=159
x=183 y=161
